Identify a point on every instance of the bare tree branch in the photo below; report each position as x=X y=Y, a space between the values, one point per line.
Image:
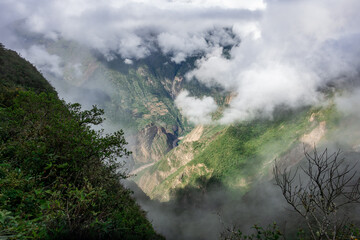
x=324 y=185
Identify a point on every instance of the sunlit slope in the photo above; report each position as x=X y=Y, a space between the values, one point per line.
x=235 y=156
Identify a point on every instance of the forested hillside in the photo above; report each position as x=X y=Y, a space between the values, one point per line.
x=138 y=96
x=59 y=178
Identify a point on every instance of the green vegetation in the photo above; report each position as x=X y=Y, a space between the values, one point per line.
x=237 y=155
x=239 y=150
x=271 y=232
x=139 y=93
x=16 y=73
x=59 y=178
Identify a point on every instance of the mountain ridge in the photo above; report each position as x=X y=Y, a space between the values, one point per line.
x=59 y=177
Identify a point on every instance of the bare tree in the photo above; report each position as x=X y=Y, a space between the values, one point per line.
x=319 y=191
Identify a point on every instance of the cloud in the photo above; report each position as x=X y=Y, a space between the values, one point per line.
x=296 y=48
x=47 y=63
x=128 y=61
x=181 y=46
x=282 y=51
x=133 y=28
x=260 y=90
x=197 y=110
x=348 y=103
x=229 y=4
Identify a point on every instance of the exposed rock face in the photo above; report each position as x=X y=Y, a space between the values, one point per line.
x=314 y=137
x=307 y=142
x=152 y=143
x=178 y=157
x=155 y=177
x=177 y=169
x=173 y=87
x=176 y=86
x=230 y=97
x=181 y=180
x=195 y=134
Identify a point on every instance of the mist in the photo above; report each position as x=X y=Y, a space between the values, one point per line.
x=212 y=213
x=265 y=53
x=295 y=49
x=281 y=52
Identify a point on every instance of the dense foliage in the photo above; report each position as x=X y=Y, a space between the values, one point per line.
x=60 y=178
x=16 y=72
x=271 y=232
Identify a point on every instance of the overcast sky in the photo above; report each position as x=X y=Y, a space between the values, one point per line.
x=282 y=50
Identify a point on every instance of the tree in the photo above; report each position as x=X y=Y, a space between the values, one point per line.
x=320 y=191
x=60 y=178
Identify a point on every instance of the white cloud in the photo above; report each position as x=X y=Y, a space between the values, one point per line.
x=197 y=110
x=348 y=103
x=263 y=88
x=227 y=4
x=296 y=47
x=213 y=69
x=133 y=28
x=181 y=46
x=128 y=61
x=247 y=29
x=288 y=49
x=47 y=63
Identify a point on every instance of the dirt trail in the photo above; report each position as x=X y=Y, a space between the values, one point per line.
x=195 y=134
x=135 y=171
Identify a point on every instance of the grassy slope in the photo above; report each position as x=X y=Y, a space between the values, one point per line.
x=236 y=155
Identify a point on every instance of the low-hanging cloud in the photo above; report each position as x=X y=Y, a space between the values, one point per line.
x=296 y=48
x=133 y=28
x=197 y=110
x=281 y=52
x=47 y=63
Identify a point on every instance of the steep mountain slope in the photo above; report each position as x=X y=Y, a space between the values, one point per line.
x=16 y=73
x=169 y=152
x=238 y=155
x=58 y=176
x=137 y=95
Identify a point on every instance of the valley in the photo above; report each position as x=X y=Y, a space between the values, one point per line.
x=179 y=120
x=183 y=165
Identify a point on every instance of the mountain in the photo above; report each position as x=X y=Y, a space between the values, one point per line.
x=59 y=177
x=16 y=73
x=237 y=155
x=137 y=96
x=169 y=152
x=175 y=161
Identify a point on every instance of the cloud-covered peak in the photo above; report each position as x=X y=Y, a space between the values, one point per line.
x=296 y=48
x=134 y=28
x=280 y=51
